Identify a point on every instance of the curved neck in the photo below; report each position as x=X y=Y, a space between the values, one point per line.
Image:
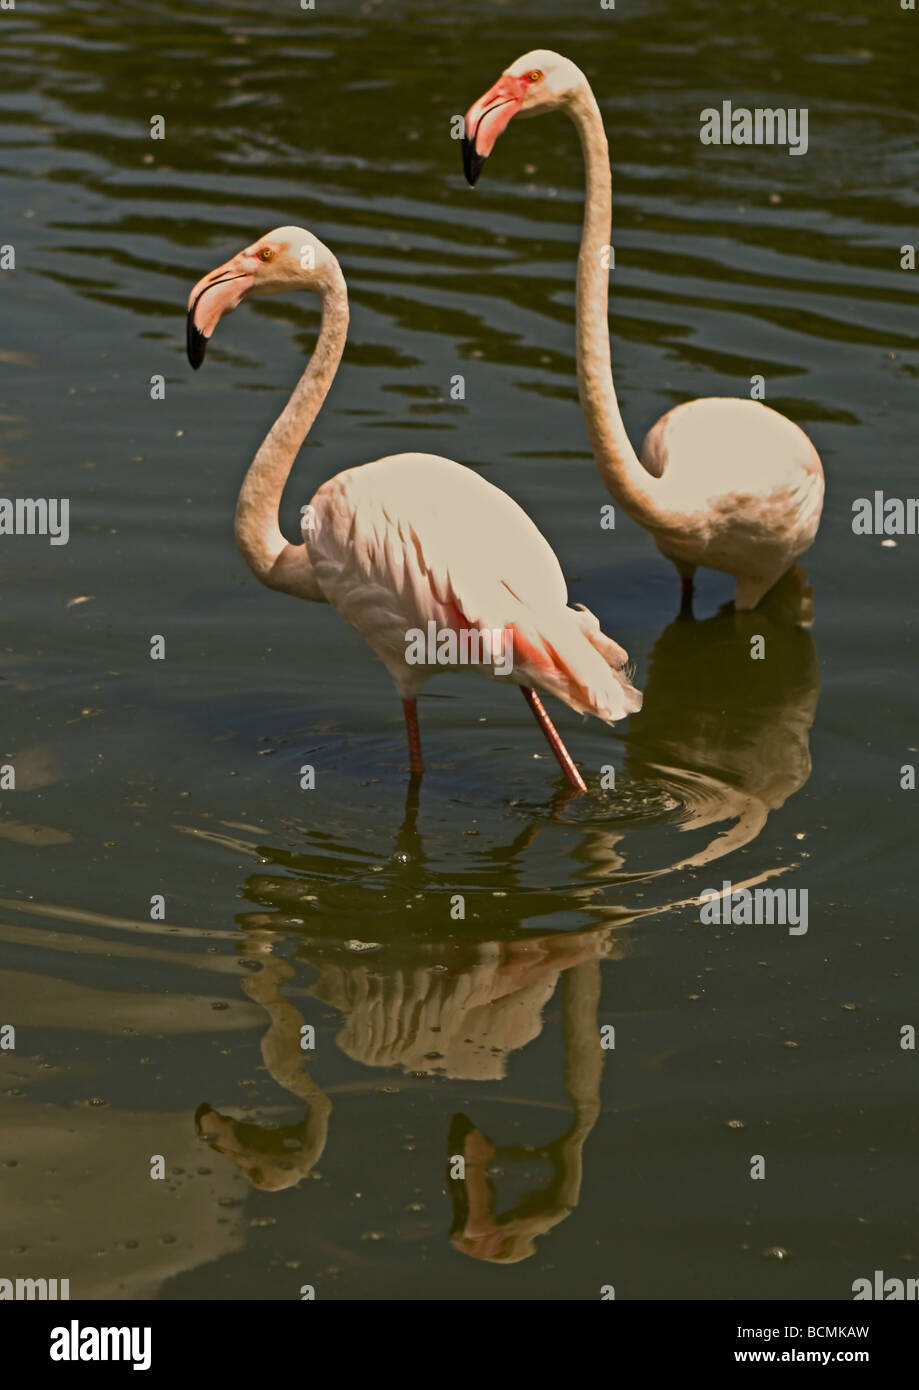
x=625 y=476
x=271 y=558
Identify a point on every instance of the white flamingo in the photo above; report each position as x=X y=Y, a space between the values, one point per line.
x=407 y=540
x=725 y=483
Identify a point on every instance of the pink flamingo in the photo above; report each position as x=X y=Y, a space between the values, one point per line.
x=725 y=483
x=409 y=540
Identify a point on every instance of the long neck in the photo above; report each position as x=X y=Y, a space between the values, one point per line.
x=271 y=558
x=625 y=476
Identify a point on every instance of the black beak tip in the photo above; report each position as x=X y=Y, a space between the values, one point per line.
x=195 y=342
x=472 y=162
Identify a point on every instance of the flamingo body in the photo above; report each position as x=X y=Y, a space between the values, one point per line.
x=741 y=490
x=415 y=538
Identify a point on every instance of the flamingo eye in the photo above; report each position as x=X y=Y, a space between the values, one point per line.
x=534 y=76
x=265 y=254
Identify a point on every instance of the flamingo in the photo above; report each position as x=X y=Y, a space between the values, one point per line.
x=409 y=540
x=726 y=483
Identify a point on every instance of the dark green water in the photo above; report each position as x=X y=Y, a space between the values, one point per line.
x=332 y=907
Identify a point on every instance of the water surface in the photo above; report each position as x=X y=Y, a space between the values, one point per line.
x=332 y=908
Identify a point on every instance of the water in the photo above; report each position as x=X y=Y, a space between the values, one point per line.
x=137 y=1037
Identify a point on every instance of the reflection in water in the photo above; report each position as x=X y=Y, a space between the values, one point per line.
x=728 y=738
x=731 y=729
x=509 y=1237
x=725 y=735
x=457 y=1009
x=274 y=1158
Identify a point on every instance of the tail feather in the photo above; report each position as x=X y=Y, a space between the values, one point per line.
x=577 y=663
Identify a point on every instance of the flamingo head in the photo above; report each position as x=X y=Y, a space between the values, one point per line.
x=289 y=258
x=540 y=81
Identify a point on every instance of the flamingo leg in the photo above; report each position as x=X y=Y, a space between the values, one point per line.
x=414 y=737
x=554 y=739
x=686 y=593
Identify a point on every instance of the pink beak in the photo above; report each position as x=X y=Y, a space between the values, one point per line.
x=217 y=294
x=487 y=118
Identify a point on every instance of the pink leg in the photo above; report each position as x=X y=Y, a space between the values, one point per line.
x=566 y=762
x=686 y=593
x=414 y=737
